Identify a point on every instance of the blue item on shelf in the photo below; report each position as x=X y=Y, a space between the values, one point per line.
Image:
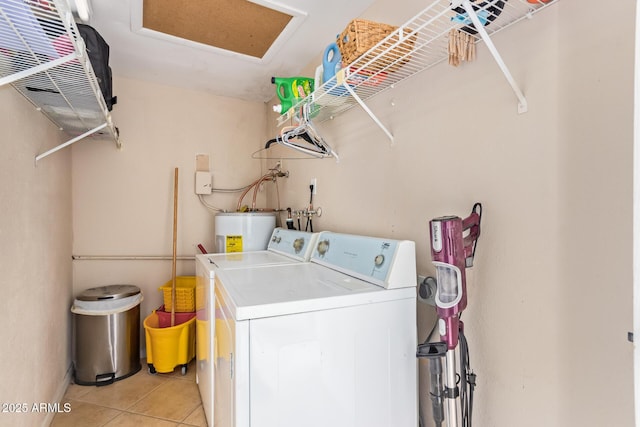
x=331 y=63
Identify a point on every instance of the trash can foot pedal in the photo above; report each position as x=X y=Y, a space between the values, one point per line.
x=105 y=379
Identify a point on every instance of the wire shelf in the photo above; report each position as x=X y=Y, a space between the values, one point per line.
x=43 y=56
x=417 y=45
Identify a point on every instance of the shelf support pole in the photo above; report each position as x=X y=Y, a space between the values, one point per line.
x=522 y=101
x=368 y=111
x=71 y=141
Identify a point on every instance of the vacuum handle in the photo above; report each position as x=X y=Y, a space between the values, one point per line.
x=472 y=224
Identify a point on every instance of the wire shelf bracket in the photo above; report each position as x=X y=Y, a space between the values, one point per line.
x=44 y=58
x=522 y=101
x=363 y=105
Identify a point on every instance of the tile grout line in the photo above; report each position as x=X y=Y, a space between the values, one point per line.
x=160 y=384
x=163 y=380
x=131 y=412
x=111 y=419
x=182 y=378
x=83 y=399
x=166 y=381
x=155 y=417
x=191 y=413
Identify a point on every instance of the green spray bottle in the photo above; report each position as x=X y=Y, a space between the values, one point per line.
x=290 y=90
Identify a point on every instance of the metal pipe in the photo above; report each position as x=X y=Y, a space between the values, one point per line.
x=130 y=257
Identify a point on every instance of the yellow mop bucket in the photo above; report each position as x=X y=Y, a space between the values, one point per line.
x=171 y=346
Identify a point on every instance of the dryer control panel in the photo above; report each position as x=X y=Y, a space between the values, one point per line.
x=386 y=262
x=293 y=243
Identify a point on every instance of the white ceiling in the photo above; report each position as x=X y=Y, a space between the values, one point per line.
x=141 y=55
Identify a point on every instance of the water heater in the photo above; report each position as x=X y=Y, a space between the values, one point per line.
x=243 y=231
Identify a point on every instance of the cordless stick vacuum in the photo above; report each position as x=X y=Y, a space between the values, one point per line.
x=453 y=243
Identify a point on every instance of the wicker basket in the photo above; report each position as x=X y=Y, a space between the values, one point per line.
x=361 y=35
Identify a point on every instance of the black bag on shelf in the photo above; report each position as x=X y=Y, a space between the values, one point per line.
x=98 y=51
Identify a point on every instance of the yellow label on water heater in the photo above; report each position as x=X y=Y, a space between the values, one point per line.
x=233 y=244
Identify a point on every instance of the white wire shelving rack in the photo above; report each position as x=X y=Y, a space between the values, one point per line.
x=417 y=45
x=43 y=56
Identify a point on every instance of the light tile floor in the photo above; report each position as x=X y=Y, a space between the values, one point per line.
x=144 y=399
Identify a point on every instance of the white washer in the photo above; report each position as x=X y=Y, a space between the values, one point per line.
x=284 y=247
x=329 y=342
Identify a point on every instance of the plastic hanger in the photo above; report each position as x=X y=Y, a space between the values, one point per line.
x=304 y=138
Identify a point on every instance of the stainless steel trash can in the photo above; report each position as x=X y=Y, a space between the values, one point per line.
x=106 y=331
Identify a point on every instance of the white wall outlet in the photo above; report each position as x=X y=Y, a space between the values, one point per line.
x=203 y=183
x=314 y=182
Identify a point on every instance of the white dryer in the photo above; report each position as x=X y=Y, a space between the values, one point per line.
x=285 y=247
x=329 y=342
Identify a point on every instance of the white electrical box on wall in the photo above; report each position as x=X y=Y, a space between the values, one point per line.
x=203 y=183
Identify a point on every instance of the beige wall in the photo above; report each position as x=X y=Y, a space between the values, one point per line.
x=123 y=200
x=35 y=231
x=595 y=213
x=550 y=294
